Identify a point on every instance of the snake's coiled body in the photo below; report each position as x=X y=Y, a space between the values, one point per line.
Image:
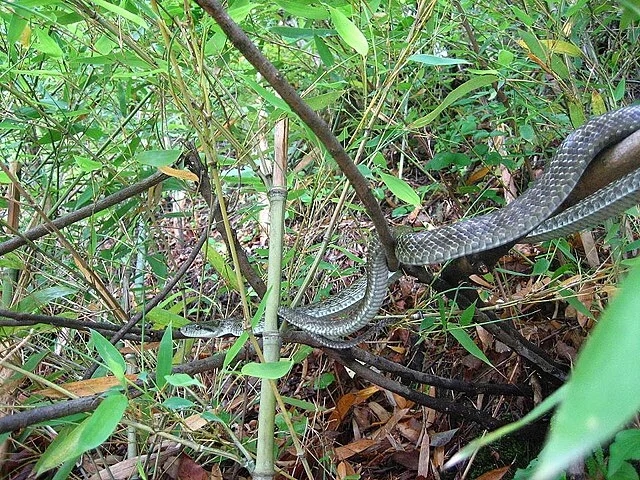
x=530 y=213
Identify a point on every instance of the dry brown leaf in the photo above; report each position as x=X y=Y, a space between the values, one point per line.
x=353 y=448
x=496 y=474
x=181 y=174
x=85 y=388
x=388 y=427
x=346 y=402
x=344 y=470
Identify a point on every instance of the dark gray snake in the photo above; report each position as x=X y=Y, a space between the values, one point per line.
x=530 y=217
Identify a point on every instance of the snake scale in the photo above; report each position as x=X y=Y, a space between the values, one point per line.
x=530 y=217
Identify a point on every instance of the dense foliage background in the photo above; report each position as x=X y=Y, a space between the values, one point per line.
x=462 y=100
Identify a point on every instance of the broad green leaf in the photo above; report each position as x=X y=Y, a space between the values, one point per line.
x=322 y=101
x=505 y=58
x=561 y=46
x=299 y=33
x=401 y=189
x=158 y=158
x=434 y=60
x=625 y=447
x=182 y=380
x=35 y=300
x=312 y=407
x=303 y=10
x=91 y=433
x=177 y=403
x=110 y=356
x=46 y=44
x=348 y=32
x=269 y=370
x=161 y=318
x=165 y=356
x=11 y=260
x=86 y=164
x=123 y=13
x=603 y=392
x=17 y=26
x=454 y=95
x=325 y=54
x=220 y=265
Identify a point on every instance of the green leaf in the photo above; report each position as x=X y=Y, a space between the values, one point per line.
x=321 y=101
x=311 y=407
x=348 y=32
x=182 y=380
x=603 y=392
x=46 y=44
x=162 y=318
x=177 y=403
x=267 y=95
x=468 y=344
x=110 y=356
x=300 y=33
x=220 y=265
x=269 y=370
x=625 y=447
x=165 y=356
x=401 y=189
x=572 y=299
x=16 y=26
x=434 y=60
x=242 y=339
x=158 y=158
x=91 y=433
x=11 y=260
x=86 y=164
x=123 y=13
x=303 y=10
x=454 y=95
x=35 y=300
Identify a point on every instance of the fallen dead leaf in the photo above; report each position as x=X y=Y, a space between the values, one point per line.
x=85 y=388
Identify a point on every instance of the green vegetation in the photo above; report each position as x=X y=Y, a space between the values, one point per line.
x=445 y=107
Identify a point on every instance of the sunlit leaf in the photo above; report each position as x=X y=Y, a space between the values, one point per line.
x=401 y=189
x=90 y=434
x=110 y=355
x=348 y=32
x=270 y=370
x=603 y=392
x=454 y=95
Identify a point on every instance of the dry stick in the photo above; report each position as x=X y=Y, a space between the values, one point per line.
x=82 y=213
x=309 y=117
x=29 y=417
x=204 y=187
x=385 y=365
x=441 y=405
x=155 y=301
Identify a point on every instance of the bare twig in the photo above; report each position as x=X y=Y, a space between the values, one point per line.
x=240 y=40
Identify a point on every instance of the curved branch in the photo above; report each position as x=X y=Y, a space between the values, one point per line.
x=82 y=213
x=317 y=125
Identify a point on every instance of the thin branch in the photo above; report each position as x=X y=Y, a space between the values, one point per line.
x=439 y=404
x=82 y=213
x=204 y=187
x=317 y=125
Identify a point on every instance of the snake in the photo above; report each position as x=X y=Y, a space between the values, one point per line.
x=530 y=218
